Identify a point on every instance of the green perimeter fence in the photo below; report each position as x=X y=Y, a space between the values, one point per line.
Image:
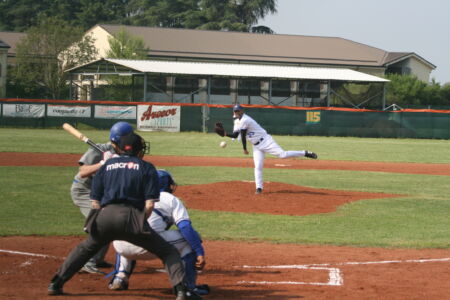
x=319 y=121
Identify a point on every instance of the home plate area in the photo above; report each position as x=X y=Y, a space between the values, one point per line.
x=242 y=270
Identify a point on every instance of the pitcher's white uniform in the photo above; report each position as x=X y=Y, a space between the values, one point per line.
x=262 y=143
x=173 y=211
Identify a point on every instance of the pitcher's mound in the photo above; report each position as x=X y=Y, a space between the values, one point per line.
x=277 y=198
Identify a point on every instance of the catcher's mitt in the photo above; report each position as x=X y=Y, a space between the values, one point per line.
x=219 y=129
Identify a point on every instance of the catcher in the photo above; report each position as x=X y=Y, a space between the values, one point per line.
x=262 y=142
x=167 y=212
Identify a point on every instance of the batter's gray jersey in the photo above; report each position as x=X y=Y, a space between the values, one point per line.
x=81 y=187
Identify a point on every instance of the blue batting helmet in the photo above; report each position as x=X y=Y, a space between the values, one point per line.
x=166 y=182
x=237 y=107
x=118 y=130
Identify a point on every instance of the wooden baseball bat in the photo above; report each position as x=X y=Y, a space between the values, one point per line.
x=76 y=133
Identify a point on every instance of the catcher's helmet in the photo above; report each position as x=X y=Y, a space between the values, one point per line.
x=132 y=144
x=166 y=182
x=118 y=130
x=237 y=107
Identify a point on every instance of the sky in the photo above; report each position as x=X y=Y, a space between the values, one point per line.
x=419 y=26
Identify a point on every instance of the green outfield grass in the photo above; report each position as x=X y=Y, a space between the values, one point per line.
x=200 y=144
x=36 y=200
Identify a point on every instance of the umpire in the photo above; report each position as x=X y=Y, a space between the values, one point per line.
x=123 y=194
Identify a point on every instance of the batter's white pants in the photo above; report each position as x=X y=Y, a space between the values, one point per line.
x=268 y=145
x=129 y=252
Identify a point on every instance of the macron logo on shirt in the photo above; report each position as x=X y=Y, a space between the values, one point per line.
x=122 y=165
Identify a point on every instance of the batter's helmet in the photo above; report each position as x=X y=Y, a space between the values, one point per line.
x=166 y=182
x=118 y=130
x=237 y=107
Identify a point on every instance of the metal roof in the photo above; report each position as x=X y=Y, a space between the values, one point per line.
x=12 y=39
x=252 y=47
x=195 y=44
x=225 y=69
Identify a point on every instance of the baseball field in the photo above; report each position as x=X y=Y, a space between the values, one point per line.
x=369 y=219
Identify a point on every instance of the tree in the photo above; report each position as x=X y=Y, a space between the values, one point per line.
x=123 y=45
x=445 y=93
x=20 y=15
x=432 y=94
x=404 y=90
x=230 y=15
x=47 y=51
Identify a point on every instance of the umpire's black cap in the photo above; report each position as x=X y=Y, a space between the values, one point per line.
x=131 y=144
x=237 y=107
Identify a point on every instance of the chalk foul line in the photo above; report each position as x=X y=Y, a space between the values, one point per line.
x=335 y=276
x=28 y=254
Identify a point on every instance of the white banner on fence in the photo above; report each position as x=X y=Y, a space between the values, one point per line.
x=115 y=112
x=68 y=111
x=24 y=110
x=159 y=118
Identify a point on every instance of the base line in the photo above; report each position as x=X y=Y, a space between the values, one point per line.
x=334 y=274
x=28 y=254
x=354 y=263
x=335 y=277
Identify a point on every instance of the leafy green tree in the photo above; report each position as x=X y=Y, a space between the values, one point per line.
x=47 y=51
x=432 y=95
x=91 y=12
x=231 y=15
x=404 y=90
x=123 y=45
x=20 y=15
x=445 y=93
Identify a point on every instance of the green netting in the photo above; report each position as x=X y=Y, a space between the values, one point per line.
x=281 y=121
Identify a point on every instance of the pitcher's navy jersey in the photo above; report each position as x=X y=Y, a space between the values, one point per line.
x=125 y=179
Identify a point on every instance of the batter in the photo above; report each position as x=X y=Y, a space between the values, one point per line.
x=123 y=194
x=80 y=190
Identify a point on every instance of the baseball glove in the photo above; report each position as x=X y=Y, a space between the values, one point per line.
x=219 y=129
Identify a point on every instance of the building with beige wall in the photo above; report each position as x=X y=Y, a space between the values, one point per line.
x=187 y=45
x=281 y=49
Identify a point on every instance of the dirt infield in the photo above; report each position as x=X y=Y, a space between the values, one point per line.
x=305 y=272
x=44 y=159
x=244 y=270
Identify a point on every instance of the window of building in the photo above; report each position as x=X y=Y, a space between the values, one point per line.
x=309 y=89
x=249 y=87
x=156 y=84
x=281 y=88
x=220 y=86
x=185 y=85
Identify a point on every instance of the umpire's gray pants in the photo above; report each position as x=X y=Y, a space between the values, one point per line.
x=118 y=222
x=81 y=198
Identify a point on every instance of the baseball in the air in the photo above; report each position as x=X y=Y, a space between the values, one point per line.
x=223 y=144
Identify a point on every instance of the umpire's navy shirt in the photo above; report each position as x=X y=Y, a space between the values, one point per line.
x=125 y=179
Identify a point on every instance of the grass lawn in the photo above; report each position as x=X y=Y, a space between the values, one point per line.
x=36 y=200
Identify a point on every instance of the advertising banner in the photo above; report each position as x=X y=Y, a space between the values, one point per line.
x=115 y=112
x=24 y=110
x=159 y=118
x=68 y=111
